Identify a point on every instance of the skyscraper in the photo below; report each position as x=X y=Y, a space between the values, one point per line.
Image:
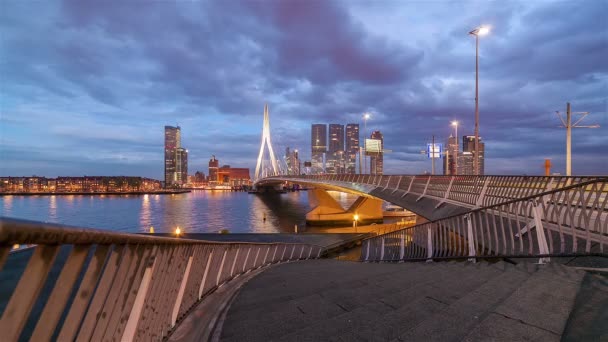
x=335 y=156
x=376 y=165
x=182 y=166
x=352 y=147
x=293 y=161
x=318 y=142
x=449 y=159
x=468 y=145
x=172 y=143
x=214 y=164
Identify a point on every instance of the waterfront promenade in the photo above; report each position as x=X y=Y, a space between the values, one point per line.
x=329 y=300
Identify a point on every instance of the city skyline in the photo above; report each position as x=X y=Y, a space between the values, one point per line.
x=87 y=88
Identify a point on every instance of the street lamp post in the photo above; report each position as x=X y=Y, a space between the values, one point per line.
x=455 y=124
x=480 y=31
x=365 y=117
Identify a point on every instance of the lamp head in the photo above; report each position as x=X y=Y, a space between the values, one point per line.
x=480 y=31
x=454 y=123
x=366 y=116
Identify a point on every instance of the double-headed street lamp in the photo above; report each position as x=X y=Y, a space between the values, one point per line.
x=480 y=31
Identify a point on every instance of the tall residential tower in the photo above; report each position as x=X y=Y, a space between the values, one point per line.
x=318 y=142
x=352 y=147
x=176 y=158
x=335 y=155
x=376 y=166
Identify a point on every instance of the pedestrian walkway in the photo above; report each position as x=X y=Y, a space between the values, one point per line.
x=330 y=300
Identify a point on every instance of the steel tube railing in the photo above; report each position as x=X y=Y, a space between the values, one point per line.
x=117 y=286
x=463 y=190
x=571 y=220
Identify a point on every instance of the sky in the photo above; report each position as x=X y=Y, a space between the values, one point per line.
x=86 y=87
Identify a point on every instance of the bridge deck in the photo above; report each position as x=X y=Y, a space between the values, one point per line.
x=330 y=300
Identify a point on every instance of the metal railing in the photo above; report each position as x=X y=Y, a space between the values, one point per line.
x=468 y=191
x=116 y=286
x=572 y=220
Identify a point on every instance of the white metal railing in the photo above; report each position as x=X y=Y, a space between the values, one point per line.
x=465 y=190
x=116 y=286
x=572 y=220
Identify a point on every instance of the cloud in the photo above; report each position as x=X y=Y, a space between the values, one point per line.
x=90 y=85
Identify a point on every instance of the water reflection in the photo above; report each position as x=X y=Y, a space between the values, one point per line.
x=145 y=214
x=7 y=205
x=198 y=211
x=53 y=208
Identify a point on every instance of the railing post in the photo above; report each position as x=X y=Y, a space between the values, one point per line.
x=236 y=257
x=382 y=249
x=219 y=273
x=398 y=183
x=479 y=202
x=133 y=320
x=425 y=187
x=367 y=252
x=470 y=238
x=447 y=193
x=180 y=294
x=292 y=250
x=202 y=287
x=22 y=300
x=429 y=244
x=246 y=258
x=540 y=233
x=402 y=246
x=387 y=183
x=409 y=187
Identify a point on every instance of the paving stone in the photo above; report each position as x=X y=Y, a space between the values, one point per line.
x=498 y=328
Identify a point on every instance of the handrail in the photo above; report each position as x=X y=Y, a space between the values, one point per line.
x=463 y=190
x=18 y=231
x=567 y=220
x=118 y=286
x=528 y=198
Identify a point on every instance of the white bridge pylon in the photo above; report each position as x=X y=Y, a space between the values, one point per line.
x=266 y=141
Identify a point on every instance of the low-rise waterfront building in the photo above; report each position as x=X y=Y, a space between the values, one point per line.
x=78 y=184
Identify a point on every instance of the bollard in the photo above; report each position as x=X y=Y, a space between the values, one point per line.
x=295 y=227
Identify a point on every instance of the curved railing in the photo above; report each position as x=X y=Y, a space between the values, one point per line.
x=116 y=286
x=468 y=191
x=572 y=220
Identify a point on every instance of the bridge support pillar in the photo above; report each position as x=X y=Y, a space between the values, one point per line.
x=327 y=211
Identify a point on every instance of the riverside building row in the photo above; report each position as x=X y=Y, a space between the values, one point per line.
x=101 y=184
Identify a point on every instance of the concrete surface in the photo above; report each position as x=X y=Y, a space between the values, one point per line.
x=330 y=300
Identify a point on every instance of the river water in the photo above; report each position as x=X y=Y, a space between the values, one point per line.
x=195 y=212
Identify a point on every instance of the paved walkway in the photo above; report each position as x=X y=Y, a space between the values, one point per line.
x=329 y=300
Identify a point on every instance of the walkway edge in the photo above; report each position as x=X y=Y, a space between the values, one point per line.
x=205 y=321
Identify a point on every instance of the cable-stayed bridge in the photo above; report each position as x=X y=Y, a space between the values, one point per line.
x=85 y=284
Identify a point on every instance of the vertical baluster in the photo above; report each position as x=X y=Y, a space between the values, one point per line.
x=84 y=294
x=101 y=292
x=122 y=311
x=126 y=269
x=45 y=327
x=26 y=293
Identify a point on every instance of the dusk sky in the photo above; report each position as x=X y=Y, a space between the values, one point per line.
x=86 y=87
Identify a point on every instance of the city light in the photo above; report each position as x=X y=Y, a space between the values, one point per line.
x=480 y=31
x=178 y=231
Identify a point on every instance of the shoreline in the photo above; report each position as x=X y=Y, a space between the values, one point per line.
x=108 y=193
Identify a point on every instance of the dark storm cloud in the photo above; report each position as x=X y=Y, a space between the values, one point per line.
x=101 y=79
